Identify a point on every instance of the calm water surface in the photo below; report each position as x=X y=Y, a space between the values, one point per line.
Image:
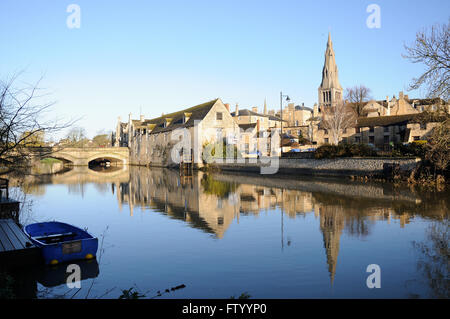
x=224 y=234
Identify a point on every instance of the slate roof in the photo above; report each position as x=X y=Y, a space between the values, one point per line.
x=303 y=108
x=246 y=112
x=247 y=126
x=197 y=112
x=393 y=120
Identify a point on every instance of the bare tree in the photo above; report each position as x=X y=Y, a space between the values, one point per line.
x=358 y=96
x=76 y=137
x=338 y=118
x=22 y=120
x=432 y=49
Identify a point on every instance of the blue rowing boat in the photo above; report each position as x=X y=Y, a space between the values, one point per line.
x=61 y=242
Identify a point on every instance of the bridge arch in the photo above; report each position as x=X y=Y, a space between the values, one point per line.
x=112 y=158
x=82 y=156
x=67 y=160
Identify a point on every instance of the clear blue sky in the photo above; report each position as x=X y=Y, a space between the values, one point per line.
x=166 y=55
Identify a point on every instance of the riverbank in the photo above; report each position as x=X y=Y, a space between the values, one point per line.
x=339 y=167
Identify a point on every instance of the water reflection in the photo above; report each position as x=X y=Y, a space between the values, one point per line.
x=212 y=202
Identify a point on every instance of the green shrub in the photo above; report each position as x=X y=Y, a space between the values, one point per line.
x=411 y=149
x=344 y=150
x=228 y=151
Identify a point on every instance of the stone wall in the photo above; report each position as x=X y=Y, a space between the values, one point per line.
x=326 y=167
x=156 y=149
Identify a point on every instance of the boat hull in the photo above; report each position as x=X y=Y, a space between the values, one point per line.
x=76 y=245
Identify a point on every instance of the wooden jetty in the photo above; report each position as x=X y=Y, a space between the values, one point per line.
x=15 y=247
x=186 y=164
x=9 y=208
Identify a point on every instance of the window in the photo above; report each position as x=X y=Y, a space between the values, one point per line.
x=423 y=126
x=358 y=130
x=219 y=116
x=326 y=141
x=371 y=139
x=371 y=129
x=416 y=138
x=219 y=134
x=326 y=131
x=386 y=139
x=344 y=131
x=357 y=139
x=386 y=129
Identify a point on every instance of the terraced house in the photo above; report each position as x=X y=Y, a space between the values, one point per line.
x=389 y=121
x=256 y=130
x=382 y=123
x=154 y=141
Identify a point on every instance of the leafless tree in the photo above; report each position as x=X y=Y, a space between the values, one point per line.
x=338 y=118
x=22 y=114
x=358 y=96
x=431 y=48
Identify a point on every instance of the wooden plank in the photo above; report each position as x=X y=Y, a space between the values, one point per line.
x=10 y=232
x=2 y=248
x=20 y=234
x=7 y=245
x=12 y=238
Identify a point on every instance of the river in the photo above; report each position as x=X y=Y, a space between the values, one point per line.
x=221 y=235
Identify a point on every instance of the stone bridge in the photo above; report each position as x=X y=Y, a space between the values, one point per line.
x=82 y=156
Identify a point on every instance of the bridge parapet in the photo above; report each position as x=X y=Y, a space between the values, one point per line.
x=78 y=156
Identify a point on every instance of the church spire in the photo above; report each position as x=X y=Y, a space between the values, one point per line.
x=330 y=90
x=330 y=77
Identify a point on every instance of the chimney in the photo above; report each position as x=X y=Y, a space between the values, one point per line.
x=227 y=106
x=129 y=118
x=141 y=118
x=255 y=109
x=237 y=110
x=400 y=95
x=388 y=105
x=406 y=97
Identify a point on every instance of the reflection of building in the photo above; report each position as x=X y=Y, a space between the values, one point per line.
x=213 y=202
x=331 y=226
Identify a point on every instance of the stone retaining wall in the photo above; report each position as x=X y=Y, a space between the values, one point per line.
x=327 y=167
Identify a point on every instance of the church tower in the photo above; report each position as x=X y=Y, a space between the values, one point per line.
x=330 y=90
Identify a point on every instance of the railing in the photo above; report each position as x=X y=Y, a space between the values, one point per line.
x=4 y=192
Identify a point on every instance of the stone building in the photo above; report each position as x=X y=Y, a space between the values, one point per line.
x=296 y=115
x=330 y=90
x=382 y=123
x=398 y=122
x=152 y=141
x=256 y=129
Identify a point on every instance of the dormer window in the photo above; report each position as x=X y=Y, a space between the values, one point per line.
x=186 y=117
x=167 y=122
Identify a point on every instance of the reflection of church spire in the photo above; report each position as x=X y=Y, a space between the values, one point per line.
x=331 y=225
